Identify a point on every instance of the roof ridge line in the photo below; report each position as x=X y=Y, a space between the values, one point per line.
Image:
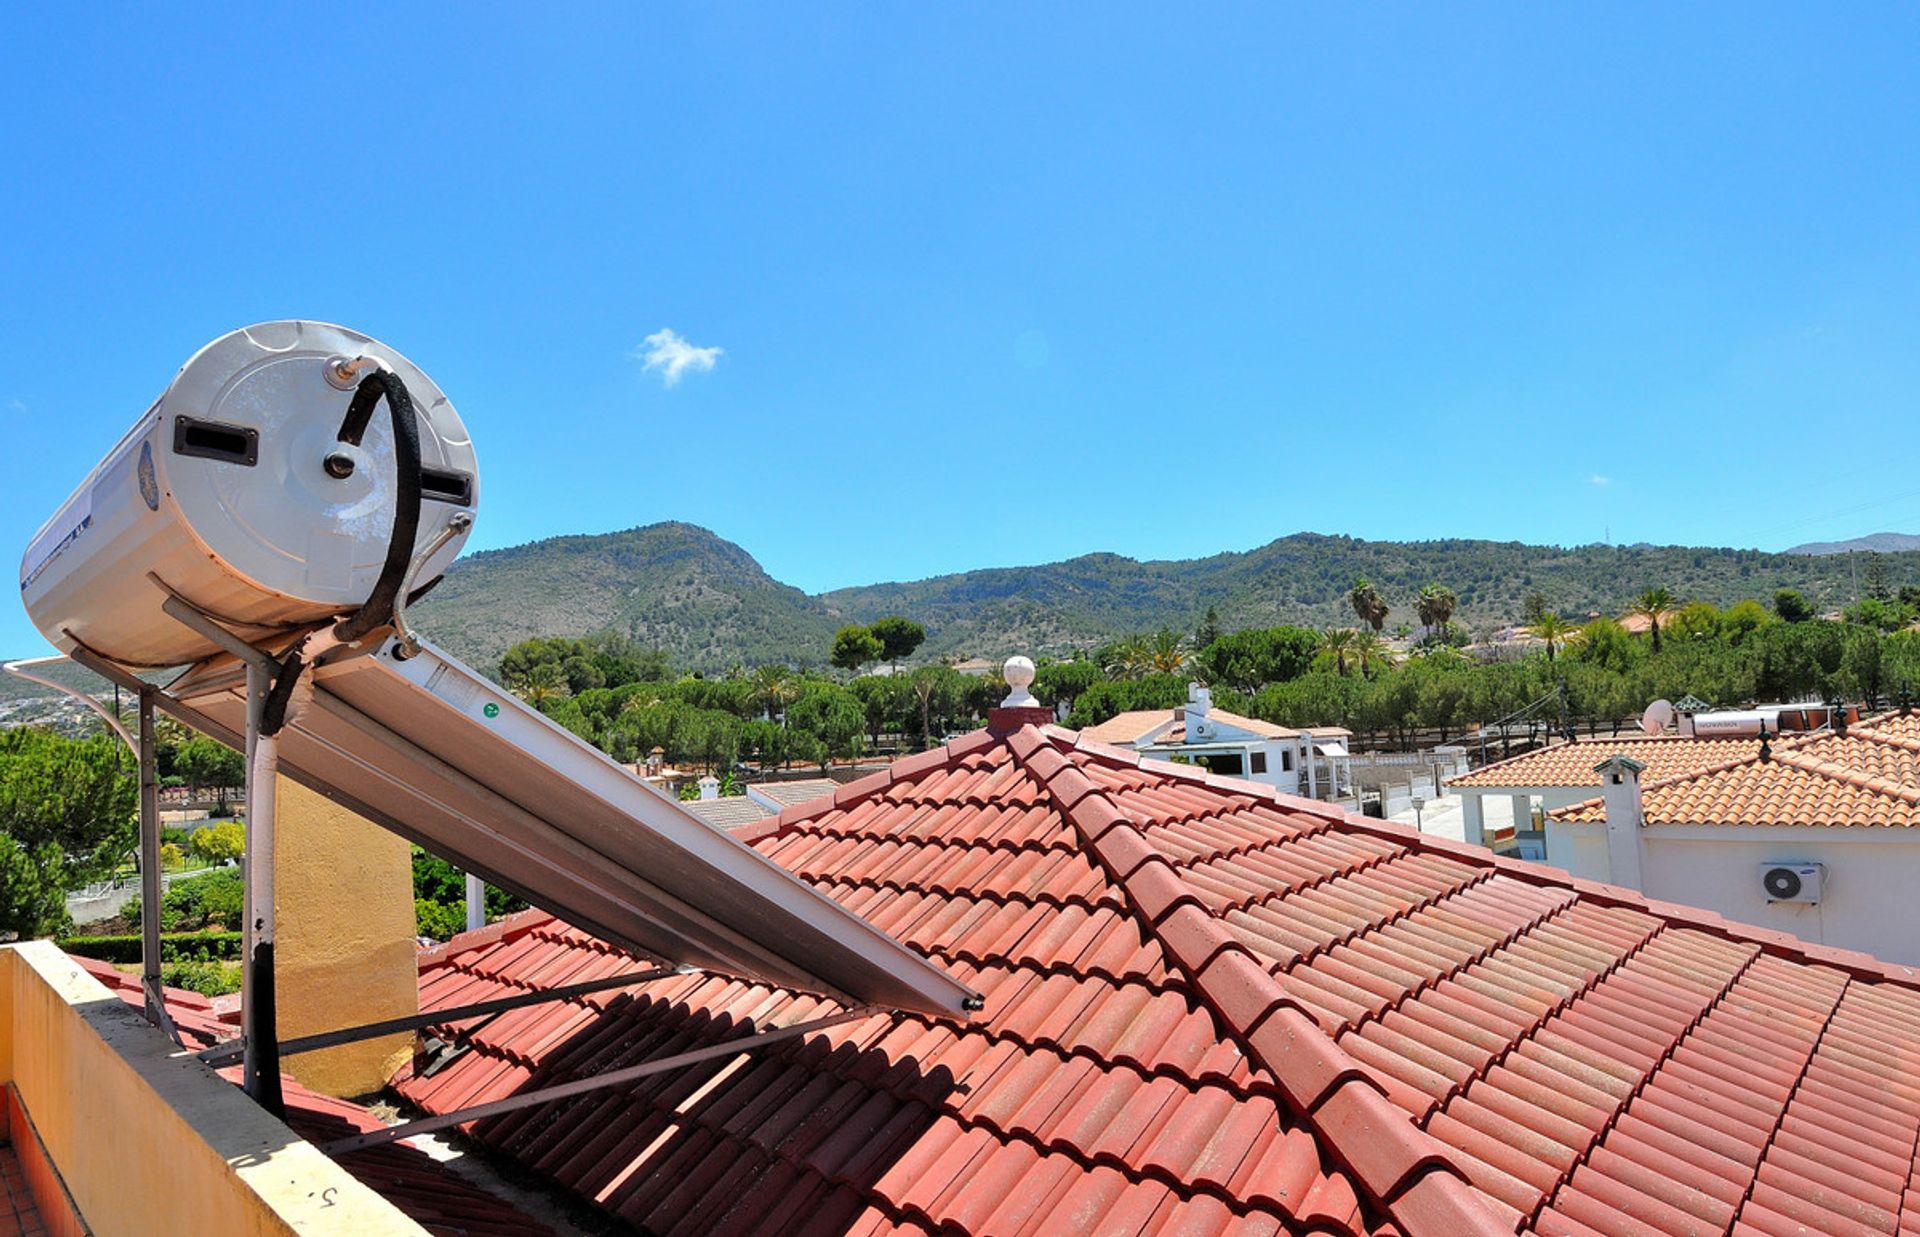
x=1327 y=1088
x=1852 y=777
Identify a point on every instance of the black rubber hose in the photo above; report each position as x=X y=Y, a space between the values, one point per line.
x=378 y=608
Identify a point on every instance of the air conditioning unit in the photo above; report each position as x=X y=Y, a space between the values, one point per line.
x=1202 y=729
x=1792 y=882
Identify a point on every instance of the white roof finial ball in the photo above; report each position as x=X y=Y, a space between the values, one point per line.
x=1019 y=675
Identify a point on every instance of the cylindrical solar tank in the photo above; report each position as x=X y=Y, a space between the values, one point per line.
x=223 y=491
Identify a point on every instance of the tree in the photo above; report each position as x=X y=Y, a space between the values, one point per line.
x=1792 y=606
x=1062 y=682
x=853 y=647
x=1370 y=653
x=1368 y=604
x=225 y=842
x=1535 y=608
x=1162 y=652
x=1435 y=606
x=833 y=715
x=1248 y=660
x=898 y=637
x=1873 y=578
x=773 y=688
x=202 y=763
x=66 y=818
x=1337 y=646
x=1209 y=629
x=1653 y=605
x=1553 y=631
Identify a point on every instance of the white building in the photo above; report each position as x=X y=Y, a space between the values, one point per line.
x=1813 y=835
x=1564 y=774
x=1310 y=762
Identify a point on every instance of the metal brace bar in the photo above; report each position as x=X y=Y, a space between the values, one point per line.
x=597 y=1082
x=157 y=1006
x=227 y=1054
x=187 y=616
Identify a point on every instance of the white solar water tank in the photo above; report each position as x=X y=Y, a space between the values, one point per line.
x=222 y=491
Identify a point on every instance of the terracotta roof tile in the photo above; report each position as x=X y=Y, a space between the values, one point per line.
x=1869 y=776
x=1571 y=764
x=1212 y=1008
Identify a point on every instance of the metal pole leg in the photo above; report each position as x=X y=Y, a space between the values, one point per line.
x=261 y=1071
x=151 y=889
x=476 y=903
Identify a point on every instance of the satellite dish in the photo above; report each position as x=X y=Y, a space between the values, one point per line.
x=1657 y=718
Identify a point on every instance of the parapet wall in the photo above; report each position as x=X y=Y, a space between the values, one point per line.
x=143 y=1136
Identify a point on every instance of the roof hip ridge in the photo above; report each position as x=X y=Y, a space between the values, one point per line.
x=1409 y=1174
x=1851 y=776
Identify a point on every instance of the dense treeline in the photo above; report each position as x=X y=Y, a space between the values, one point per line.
x=1602 y=672
x=628 y=702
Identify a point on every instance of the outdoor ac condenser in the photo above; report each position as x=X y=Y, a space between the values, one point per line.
x=1792 y=882
x=235 y=492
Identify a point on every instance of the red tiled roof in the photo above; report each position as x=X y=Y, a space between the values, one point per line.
x=428 y=1192
x=1571 y=764
x=1869 y=776
x=1212 y=1007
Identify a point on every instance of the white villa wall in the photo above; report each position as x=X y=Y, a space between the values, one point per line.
x=1871 y=892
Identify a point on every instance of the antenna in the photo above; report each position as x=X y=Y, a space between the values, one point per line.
x=1657 y=718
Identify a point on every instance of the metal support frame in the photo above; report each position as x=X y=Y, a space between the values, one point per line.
x=150 y=884
x=227 y=1054
x=597 y=1082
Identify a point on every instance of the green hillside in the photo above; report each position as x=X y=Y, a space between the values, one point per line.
x=708 y=603
x=671 y=586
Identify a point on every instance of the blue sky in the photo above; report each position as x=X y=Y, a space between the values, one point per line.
x=1004 y=285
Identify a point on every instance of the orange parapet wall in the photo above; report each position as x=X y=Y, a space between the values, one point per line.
x=145 y=1138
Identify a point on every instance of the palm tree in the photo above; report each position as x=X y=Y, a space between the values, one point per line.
x=1436 y=605
x=1652 y=605
x=1554 y=631
x=1370 y=653
x=1368 y=604
x=543 y=685
x=773 y=688
x=1337 y=647
x=1166 y=651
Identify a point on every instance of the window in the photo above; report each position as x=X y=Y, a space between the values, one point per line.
x=1286 y=760
x=1259 y=762
x=1226 y=764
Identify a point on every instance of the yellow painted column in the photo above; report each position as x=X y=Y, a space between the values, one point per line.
x=344 y=946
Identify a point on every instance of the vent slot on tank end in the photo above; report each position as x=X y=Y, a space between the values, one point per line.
x=210 y=440
x=446 y=487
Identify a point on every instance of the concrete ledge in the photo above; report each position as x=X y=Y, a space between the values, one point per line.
x=146 y=1138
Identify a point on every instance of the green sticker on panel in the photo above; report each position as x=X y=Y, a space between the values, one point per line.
x=492 y=709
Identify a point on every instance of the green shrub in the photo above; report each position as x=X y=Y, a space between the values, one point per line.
x=207 y=978
x=215 y=899
x=174 y=947
x=438 y=920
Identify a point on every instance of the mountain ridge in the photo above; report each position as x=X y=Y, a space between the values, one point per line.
x=709 y=603
x=1877 y=543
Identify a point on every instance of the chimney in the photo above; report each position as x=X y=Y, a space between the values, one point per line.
x=343 y=893
x=1620 y=791
x=1199 y=700
x=709 y=787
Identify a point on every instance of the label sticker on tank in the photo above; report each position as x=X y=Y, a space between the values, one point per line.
x=453 y=687
x=149 y=484
x=67 y=527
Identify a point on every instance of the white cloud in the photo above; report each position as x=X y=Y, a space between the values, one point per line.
x=16 y=405
x=1597 y=479
x=672 y=356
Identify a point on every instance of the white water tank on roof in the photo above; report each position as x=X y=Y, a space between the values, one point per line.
x=223 y=491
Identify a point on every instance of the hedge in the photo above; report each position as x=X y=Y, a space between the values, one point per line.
x=174 y=947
